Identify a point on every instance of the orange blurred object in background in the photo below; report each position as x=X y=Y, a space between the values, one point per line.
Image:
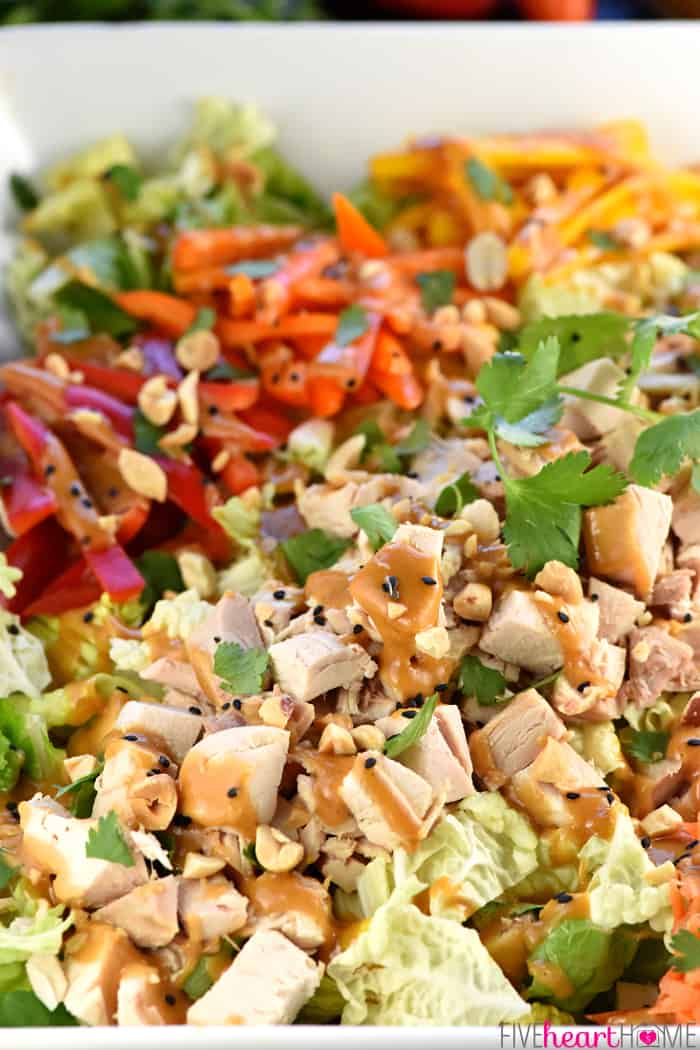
x=538 y=10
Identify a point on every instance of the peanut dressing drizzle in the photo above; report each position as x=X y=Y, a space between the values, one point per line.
x=281 y=894
x=403 y=670
x=607 y=532
x=328 y=587
x=570 y=636
x=392 y=804
x=205 y=782
x=327 y=773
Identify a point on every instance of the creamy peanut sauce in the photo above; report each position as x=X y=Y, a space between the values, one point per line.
x=202 y=663
x=328 y=587
x=589 y=813
x=640 y=790
x=273 y=894
x=443 y=894
x=610 y=546
x=392 y=804
x=575 y=647
x=403 y=670
x=327 y=773
x=205 y=782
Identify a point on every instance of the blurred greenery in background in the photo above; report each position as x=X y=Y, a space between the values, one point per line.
x=19 y=12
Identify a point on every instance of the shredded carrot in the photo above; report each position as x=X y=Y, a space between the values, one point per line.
x=165 y=312
x=326 y=397
x=238 y=333
x=198 y=249
x=354 y=232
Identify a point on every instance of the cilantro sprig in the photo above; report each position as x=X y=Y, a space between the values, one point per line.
x=312 y=551
x=242 y=670
x=416 y=728
x=686 y=946
x=487 y=183
x=486 y=684
x=106 y=842
x=378 y=524
x=646 y=745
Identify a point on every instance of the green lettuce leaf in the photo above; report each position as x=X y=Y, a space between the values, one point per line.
x=407 y=968
x=23 y=664
x=38 y=934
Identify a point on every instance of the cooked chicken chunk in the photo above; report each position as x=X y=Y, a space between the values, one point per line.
x=512 y=739
x=148 y=914
x=624 y=541
x=54 y=843
x=328 y=507
x=517 y=633
x=390 y=803
x=673 y=593
x=619 y=611
x=230 y=779
x=95 y=959
x=595 y=699
x=440 y=463
x=174 y=674
x=590 y=419
x=143 y=998
x=268 y=982
x=441 y=756
x=137 y=782
x=312 y=663
x=168 y=727
x=231 y=620
x=297 y=906
x=685 y=521
x=656 y=658
x=211 y=908
x=542 y=786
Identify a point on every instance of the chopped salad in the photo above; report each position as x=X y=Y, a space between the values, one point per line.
x=350 y=625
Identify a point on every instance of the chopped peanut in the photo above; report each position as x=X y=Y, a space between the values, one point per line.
x=275 y=851
x=198 y=351
x=474 y=602
x=143 y=474
x=336 y=741
x=157 y=401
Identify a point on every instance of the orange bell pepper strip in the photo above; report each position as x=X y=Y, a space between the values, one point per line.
x=165 y=312
x=238 y=333
x=354 y=232
x=198 y=249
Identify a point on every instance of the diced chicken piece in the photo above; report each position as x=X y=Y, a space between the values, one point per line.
x=624 y=541
x=542 y=786
x=230 y=779
x=391 y=804
x=560 y=581
x=619 y=611
x=143 y=998
x=512 y=739
x=427 y=541
x=440 y=463
x=312 y=663
x=174 y=674
x=523 y=462
x=231 y=620
x=54 y=842
x=47 y=979
x=268 y=982
x=148 y=914
x=517 y=633
x=595 y=700
x=274 y=605
x=328 y=506
x=617 y=446
x=691 y=715
x=673 y=593
x=95 y=958
x=656 y=659
x=211 y=908
x=297 y=906
x=659 y=782
x=169 y=728
x=689 y=558
x=590 y=419
x=441 y=756
x=686 y=515
x=688 y=676
x=137 y=782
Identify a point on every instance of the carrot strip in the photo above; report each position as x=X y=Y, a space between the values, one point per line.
x=413 y=263
x=325 y=292
x=277 y=291
x=354 y=232
x=326 y=397
x=196 y=249
x=389 y=356
x=404 y=390
x=238 y=333
x=166 y=312
x=241 y=296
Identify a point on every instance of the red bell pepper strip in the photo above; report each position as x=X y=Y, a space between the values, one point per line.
x=119 y=382
x=73 y=589
x=236 y=432
x=229 y=396
x=26 y=501
x=187 y=488
x=265 y=417
x=120 y=415
x=37 y=553
x=116 y=572
x=240 y=474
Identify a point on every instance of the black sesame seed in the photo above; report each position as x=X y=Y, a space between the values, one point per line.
x=595 y=597
x=645 y=842
x=113 y=492
x=238 y=704
x=409 y=714
x=152 y=772
x=429 y=580
x=563 y=616
x=357 y=629
x=213 y=410
x=181 y=821
x=603 y=787
x=131 y=737
x=683 y=856
x=225 y=706
x=217 y=638
x=351 y=384
x=232 y=792
x=13 y=629
x=575 y=337
x=50 y=469
x=87 y=503
x=693 y=741
x=441 y=687
x=370 y=762
x=391 y=586
x=583 y=686
x=121 y=689
x=163 y=761
x=75 y=489
x=693 y=843
x=268 y=623
x=88 y=617
x=170 y=999
x=412 y=474
x=437 y=344
x=610 y=797
x=278 y=595
x=275 y=377
x=563 y=898
x=573 y=795
x=687 y=618
x=318 y=610
x=11 y=806
x=320 y=621
x=194 y=710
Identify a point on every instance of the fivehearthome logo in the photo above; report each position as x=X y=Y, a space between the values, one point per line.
x=548 y=1036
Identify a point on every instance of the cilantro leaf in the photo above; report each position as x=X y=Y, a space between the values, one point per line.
x=372 y=433
x=686 y=945
x=242 y=670
x=107 y=842
x=352 y=323
x=127 y=180
x=161 y=573
x=415 y=442
x=582 y=338
x=646 y=745
x=253 y=268
x=415 y=729
x=147 y=434
x=661 y=449
x=543 y=519
x=591 y=960
x=603 y=240
x=204 y=320
x=487 y=183
x=20 y=1008
x=513 y=386
x=531 y=430
x=24 y=193
x=695 y=477
x=377 y=523
x=7 y=872
x=101 y=313
x=436 y=288
x=455 y=496
x=313 y=550
x=484 y=683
